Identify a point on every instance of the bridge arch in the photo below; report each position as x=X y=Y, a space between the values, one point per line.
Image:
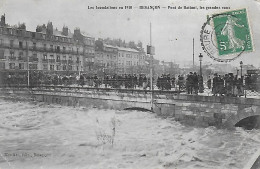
x=245 y=115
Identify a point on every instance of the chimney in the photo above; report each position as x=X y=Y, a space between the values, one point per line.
x=77 y=32
x=2 y=23
x=49 y=28
x=65 y=31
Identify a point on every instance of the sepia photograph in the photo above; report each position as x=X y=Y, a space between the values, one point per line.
x=129 y=84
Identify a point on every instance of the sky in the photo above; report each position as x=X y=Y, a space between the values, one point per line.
x=172 y=29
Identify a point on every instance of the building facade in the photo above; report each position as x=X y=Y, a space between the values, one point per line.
x=46 y=49
x=106 y=58
x=119 y=60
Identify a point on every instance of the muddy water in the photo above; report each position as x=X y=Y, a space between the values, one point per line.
x=37 y=135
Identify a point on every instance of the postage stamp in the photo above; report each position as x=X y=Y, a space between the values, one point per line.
x=225 y=36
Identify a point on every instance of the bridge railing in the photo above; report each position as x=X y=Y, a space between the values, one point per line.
x=163 y=88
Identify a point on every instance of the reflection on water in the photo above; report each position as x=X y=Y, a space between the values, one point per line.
x=37 y=135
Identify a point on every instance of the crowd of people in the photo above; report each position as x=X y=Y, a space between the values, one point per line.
x=192 y=83
x=226 y=85
x=252 y=82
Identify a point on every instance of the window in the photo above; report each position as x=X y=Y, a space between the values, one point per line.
x=70 y=67
x=77 y=50
x=58 y=58
x=45 y=67
x=2 y=65
x=51 y=47
x=1 y=42
x=34 y=45
x=44 y=46
x=20 y=54
x=77 y=68
x=12 y=53
x=70 y=57
x=12 y=65
x=20 y=44
x=64 y=48
x=2 y=52
x=64 y=57
x=45 y=57
x=57 y=67
x=51 y=67
x=58 y=49
x=21 y=65
x=64 y=67
x=11 y=43
x=33 y=66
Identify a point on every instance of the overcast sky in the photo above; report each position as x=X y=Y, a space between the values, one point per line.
x=172 y=30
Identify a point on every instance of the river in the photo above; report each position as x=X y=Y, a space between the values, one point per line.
x=36 y=135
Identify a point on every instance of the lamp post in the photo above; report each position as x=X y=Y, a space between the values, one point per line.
x=200 y=59
x=241 y=65
x=201 y=87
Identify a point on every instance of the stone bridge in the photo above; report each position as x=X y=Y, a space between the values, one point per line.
x=191 y=109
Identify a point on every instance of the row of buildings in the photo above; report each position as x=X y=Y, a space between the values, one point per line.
x=51 y=50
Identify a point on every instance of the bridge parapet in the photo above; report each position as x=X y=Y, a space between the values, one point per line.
x=190 y=109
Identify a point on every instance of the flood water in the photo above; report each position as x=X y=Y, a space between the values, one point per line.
x=41 y=136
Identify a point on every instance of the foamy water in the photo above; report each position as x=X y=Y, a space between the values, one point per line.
x=37 y=135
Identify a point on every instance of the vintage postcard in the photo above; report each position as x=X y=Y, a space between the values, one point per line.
x=129 y=84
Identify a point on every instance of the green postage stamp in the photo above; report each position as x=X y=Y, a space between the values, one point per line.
x=232 y=32
x=227 y=35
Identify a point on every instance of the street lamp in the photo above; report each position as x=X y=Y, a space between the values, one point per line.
x=201 y=88
x=200 y=59
x=241 y=65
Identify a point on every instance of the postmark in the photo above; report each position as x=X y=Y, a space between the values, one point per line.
x=225 y=36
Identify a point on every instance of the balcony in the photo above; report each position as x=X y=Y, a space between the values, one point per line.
x=33 y=59
x=70 y=61
x=21 y=58
x=64 y=61
x=65 y=51
x=57 y=50
x=12 y=58
x=58 y=60
x=44 y=60
x=51 y=60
